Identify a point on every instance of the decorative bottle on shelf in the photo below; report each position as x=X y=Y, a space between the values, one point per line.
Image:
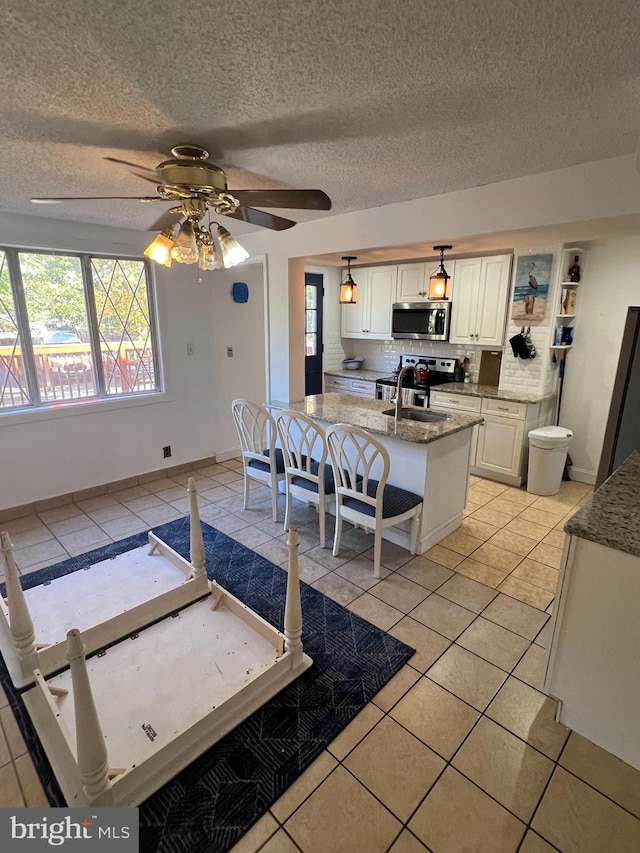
x=568 y=302
x=574 y=270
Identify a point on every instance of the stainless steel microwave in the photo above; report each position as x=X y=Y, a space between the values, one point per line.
x=425 y=321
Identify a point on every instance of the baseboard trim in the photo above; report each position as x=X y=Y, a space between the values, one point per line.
x=12 y=513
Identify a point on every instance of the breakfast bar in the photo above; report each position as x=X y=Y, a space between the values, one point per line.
x=430 y=459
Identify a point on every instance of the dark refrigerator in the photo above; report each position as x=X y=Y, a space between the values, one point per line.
x=622 y=435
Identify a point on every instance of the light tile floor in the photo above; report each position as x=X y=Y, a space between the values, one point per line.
x=460 y=751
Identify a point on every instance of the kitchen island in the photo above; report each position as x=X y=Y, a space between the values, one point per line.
x=593 y=665
x=430 y=459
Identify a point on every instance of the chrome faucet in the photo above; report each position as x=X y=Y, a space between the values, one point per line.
x=397 y=402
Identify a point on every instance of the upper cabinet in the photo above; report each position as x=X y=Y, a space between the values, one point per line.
x=370 y=317
x=479 y=300
x=413 y=280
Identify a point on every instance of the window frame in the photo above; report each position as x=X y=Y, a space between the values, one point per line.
x=101 y=399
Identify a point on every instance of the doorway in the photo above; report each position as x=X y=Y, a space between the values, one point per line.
x=313 y=293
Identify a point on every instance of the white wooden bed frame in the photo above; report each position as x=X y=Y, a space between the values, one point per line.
x=120 y=725
x=108 y=600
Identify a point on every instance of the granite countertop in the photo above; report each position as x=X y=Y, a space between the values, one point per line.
x=471 y=389
x=611 y=517
x=365 y=413
x=366 y=375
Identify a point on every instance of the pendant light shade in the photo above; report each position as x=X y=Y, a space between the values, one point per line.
x=348 y=288
x=439 y=281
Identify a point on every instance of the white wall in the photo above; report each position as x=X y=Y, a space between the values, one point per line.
x=45 y=454
x=611 y=284
x=242 y=327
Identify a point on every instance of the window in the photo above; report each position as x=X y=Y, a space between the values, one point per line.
x=74 y=328
x=310 y=319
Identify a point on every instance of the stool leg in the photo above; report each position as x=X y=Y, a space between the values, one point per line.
x=377 y=548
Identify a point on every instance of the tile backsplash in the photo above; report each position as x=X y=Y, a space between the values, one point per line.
x=384 y=355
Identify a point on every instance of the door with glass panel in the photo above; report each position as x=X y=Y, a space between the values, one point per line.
x=313 y=333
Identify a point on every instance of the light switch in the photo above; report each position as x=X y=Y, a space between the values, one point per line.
x=191 y=349
x=229 y=352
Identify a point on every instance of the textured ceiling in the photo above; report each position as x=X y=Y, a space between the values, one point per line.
x=371 y=101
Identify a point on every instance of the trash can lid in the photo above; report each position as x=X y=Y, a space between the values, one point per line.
x=550 y=432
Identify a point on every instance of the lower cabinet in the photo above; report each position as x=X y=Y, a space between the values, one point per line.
x=355 y=387
x=500 y=447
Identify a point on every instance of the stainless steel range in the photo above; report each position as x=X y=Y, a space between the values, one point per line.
x=431 y=370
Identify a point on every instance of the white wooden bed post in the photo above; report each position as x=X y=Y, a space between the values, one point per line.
x=22 y=633
x=195 y=531
x=92 y=758
x=293 y=607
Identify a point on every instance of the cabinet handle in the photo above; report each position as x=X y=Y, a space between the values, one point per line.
x=471 y=335
x=502 y=408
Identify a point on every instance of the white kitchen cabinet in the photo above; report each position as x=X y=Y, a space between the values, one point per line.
x=500 y=446
x=593 y=658
x=370 y=317
x=413 y=280
x=345 y=385
x=413 y=283
x=479 y=300
x=465 y=403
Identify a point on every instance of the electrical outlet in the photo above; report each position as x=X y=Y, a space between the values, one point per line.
x=166 y=451
x=229 y=352
x=191 y=349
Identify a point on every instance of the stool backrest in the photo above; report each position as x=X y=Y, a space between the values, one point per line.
x=303 y=442
x=256 y=429
x=356 y=454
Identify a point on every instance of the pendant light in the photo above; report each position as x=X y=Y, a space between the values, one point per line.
x=348 y=288
x=439 y=281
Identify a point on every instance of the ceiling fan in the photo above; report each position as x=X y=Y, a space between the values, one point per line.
x=199 y=186
x=190 y=176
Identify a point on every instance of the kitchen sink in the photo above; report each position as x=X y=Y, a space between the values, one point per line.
x=425 y=416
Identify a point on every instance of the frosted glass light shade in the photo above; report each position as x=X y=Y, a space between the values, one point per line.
x=159 y=250
x=232 y=252
x=185 y=249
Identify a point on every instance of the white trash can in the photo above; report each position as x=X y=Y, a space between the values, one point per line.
x=548 y=448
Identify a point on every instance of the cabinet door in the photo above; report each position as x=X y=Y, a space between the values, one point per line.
x=500 y=445
x=412 y=283
x=382 y=290
x=492 y=300
x=353 y=316
x=464 y=298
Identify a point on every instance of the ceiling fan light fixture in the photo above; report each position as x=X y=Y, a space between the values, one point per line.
x=159 y=249
x=185 y=248
x=232 y=252
x=348 y=287
x=439 y=281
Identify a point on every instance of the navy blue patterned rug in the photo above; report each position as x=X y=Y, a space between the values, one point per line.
x=209 y=805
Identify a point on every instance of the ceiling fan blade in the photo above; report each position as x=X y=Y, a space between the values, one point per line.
x=145 y=198
x=142 y=171
x=300 y=199
x=259 y=217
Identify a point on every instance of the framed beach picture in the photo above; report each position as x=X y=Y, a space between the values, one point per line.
x=531 y=289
